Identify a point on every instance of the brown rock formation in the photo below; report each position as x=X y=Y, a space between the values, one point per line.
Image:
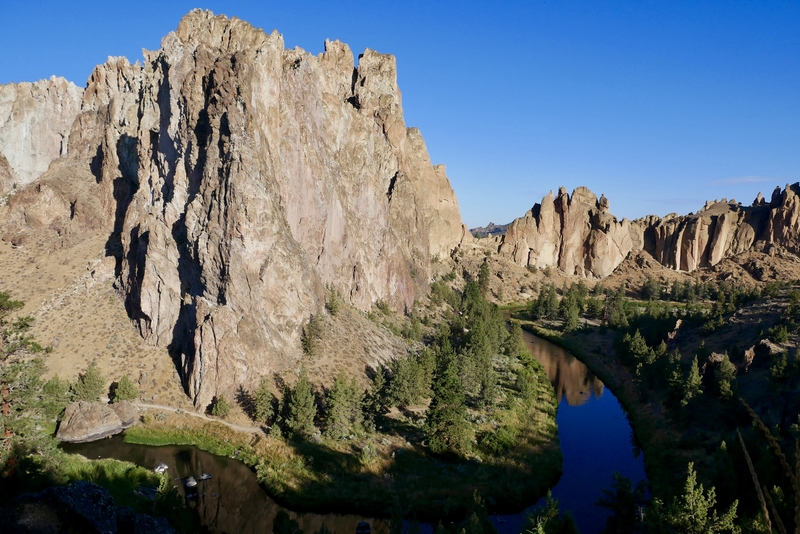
x=35 y=122
x=235 y=180
x=577 y=234
x=88 y=421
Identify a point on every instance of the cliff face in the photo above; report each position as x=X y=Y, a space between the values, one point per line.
x=35 y=121
x=236 y=180
x=578 y=234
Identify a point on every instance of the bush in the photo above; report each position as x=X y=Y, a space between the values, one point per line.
x=125 y=390
x=221 y=407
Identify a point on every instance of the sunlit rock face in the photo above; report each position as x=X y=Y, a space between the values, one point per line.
x=236 y=180
x=580 y=236
x=575 y=233
x=35 y=122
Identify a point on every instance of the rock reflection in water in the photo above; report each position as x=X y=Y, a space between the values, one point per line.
x=570 y=378
x=231 y=501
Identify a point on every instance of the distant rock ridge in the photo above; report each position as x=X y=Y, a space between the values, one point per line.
x=236 y=180
x=580 y=236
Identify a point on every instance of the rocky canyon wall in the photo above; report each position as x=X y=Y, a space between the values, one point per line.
x=580 y=236
x=235 y=181
x=35 y=121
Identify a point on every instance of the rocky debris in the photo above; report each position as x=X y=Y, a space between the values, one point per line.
x=89 y=421
x=713 y=361
x=35 y=123
x=81 y=507
x=235 y=181
x=127 y=413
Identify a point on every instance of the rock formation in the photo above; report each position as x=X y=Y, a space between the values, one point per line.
x=575 y=233
x=579 y=235
x=35 y=122
x=236 y=180
x=89 y=421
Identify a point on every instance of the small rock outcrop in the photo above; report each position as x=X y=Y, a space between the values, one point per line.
x=127 y=413
x=89 y=421
x=78 y=508
x=35 y=123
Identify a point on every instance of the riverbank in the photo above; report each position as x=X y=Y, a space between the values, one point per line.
x=374 y=474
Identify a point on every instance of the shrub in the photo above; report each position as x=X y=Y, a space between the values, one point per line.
x=221 y=407
x=125 y=390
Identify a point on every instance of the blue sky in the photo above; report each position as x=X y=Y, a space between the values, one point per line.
x=659 y=105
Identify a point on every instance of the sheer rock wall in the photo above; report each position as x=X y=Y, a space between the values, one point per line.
x=236 y=180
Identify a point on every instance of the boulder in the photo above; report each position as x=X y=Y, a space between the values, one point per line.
x=126 y=412
x=88 y=421
x=81 y=507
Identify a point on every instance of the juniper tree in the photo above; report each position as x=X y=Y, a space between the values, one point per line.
x=89 y=386
x=55 y=396
x=693 y=386
x=264 y=410
x=725 y=376
x=221 y=407
x=125 y=391
x=302 y=409
x=344 y=415
x=447 y=427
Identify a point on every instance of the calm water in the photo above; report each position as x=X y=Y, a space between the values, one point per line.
x=231 y=501
x=595 y=440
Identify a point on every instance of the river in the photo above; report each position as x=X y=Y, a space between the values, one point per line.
x=595 y=440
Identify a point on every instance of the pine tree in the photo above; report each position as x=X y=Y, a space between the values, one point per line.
x=344 y=414
x=483 y=277
x=693 y=386
x=89 y=386
x=692 y=513
x=447 y=427
x=725 y=376
x=125 y=391
x=55 y=396
x=263 y=402
x=302 y=409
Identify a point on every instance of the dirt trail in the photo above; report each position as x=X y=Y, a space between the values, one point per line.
x=238 y=428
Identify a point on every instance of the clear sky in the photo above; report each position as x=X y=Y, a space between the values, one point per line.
x=659 y=105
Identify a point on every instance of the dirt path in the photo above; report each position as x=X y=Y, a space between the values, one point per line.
x=238 y=428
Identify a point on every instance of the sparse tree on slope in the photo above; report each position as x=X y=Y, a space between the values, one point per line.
x=89 y=386
x=125 y=391
x=263 y=402
x=302 y=409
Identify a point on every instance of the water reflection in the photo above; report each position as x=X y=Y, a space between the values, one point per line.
x=231 y=501
x=570 y=378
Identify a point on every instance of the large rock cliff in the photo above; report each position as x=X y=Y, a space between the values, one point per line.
x=236 y=180
x=579 y=235
x=35 y=121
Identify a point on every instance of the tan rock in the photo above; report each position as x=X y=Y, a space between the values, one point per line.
x=127 y=413
x=88 y=421
x=35 y=122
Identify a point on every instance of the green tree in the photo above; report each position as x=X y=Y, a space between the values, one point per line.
x=625 y=504
x=302 y=409
x=549 y=519
x=725 y=376
x=263 y=402
x=343 y=414
x=221 y=407
x=447 y=427
x=483 y=277
x=125 y=391
x=615 y=315
x=309 y=338
x=692 y=512
x=89 y=386
x=693 y=386
x=375 y=402
x=651 y=290
x=55 y=396
x=283 y=524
